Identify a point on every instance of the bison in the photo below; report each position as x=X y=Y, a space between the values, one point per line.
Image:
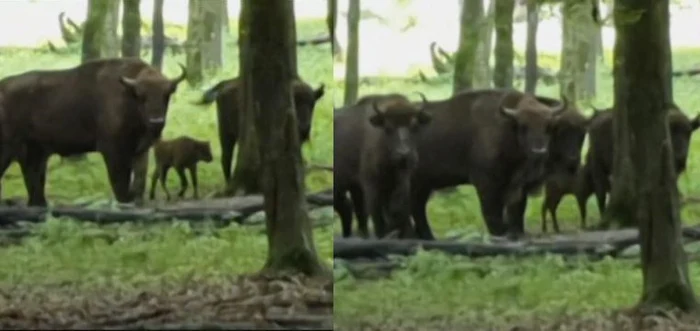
x=225 y=93
x=561 y=184
x=600 y=152
x=117 y=107
x=180 y=153
x=387 y=159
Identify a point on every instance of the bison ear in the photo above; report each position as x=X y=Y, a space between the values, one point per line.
x=318 y=93
x=377 y=119
x=695 y=123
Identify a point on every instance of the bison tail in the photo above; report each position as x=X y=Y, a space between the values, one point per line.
x=211 y=94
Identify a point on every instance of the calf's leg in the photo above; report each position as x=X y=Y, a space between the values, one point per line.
x=419 y=203
x=195 y=185
x=183 y=181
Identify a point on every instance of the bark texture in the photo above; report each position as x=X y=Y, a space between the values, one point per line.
x=158 y=35
x=212 y=43
x=94 y=30
x=131 y=29
x=531 y=47
x=503 y=68
x=643 y=153
x=471 y=18
x=110 y=42
x=267 y=72
x=196 y=34
x=352 y=66
x=577 y=27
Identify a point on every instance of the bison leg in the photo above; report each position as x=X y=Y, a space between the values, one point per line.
x=193 y=174
x=419 y=202
x=119 y=171
x=492 y=208
x=342 y=206
x=183 y=181
x=33 y=166
x=543 y=212
x=398 y=214
x=140 y=175
x=228 y=143
x=516 y=216
x=375 y=204
x=358 y=201
x=154 y=182
x=163 y=180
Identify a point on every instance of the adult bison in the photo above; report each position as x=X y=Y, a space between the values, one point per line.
x=384 y=127
x=600 y=153
x=225 y=93
x=117 y=107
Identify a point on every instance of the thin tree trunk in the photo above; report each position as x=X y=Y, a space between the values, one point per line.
x=110 y=42
x=195 y=42
x=131 y=29
x=352 y=74
x=576 y=22
x=158 y=48
x=331 y=19
x=503 y=68
x=482 y=72
x=472 y=14
x=94 y=29
x=531 y=71
x=642 y=52
x=247 y=171
x=591 y=75
x=268 y=73
x=211 y=47
x=489 y=32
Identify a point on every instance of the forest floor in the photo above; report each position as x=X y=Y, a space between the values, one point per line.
x=74 y=274
x=435 y=291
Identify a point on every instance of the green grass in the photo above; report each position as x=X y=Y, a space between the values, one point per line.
x=452 y=288
x=74 y=252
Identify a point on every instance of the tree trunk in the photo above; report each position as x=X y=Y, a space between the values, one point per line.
x=268 y=72
x=642 y=52
x=531 y=71
x=247 y=172
x=212 y=47
x=352 y=65
x=472 y=15
x=131 y=29
x=196 y=34
x=226 y=22
x=110 y=42
x=331 y=19
x=94 y=26
x=503 y=68
x=158 y=48
x=482 y=72
x=576 y=28
x=591 y=76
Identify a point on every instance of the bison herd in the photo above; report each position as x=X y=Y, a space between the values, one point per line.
x=117 y=107
x=391 y=154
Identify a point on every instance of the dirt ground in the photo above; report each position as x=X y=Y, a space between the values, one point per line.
x=247 y=302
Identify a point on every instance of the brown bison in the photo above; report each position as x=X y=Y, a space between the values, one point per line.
x=387 y=159
x=560 y=184
x=225 y=93
x=180 y=153
x=600 y=151
x=117 y=107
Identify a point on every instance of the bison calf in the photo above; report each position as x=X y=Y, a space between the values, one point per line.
x=387 y=160
x=561 y=184
x=180 y=153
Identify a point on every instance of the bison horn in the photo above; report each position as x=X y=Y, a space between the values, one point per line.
x=562 y=107
x=424 y=99
x=128 y=81
x=182 y=76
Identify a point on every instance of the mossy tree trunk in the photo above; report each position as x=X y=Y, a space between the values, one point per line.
x=131 y=29
x=503 y=68
x=531 y=71
x=352 y=65
x=247 y=171
x=195 y=45
x=212 y=47
x=331 y=19
x=576 y=29
x=226 y=26
x=267 y=72
x=158 y=49
x=642 y=99
x=591 y=76
x=110 y=43
x=471 y=19
x=482 y=73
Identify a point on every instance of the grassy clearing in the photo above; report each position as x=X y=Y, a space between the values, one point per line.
x=437 y=288
x=66 y=251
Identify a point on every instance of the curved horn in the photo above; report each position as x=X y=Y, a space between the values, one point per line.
x=128 y=81
x=562 y=106
x=182 y=76
x=424 y=99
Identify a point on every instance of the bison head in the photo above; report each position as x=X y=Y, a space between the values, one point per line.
x=305 y=99
x=151 y=92
x=568 y=135
x=681 y=129
x=204 y=151
x=534 y=123
x=399 y=121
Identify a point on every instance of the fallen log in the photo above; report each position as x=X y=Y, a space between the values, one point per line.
x=595 y=244
x=314 y=41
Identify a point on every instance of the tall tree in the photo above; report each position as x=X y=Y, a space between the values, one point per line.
x=331 y=19
x=503 y=68
x=131 y=28
x=212 y=43
x=482 y=74
x=110 y=42
x=93 y=34
x=352 y=74
x=158 y=35
x=268 y=71
x=643 y=153
x=196 y=34
x=531 y=71
x=577 y=25
x=471 y=17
